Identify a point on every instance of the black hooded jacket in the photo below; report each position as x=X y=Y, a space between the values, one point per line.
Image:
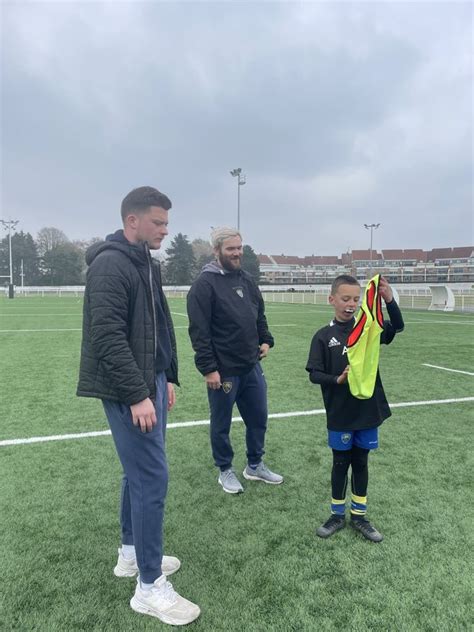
x=227 y=321
x=120 y=323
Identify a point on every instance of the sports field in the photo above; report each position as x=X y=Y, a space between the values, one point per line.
x=252 y=562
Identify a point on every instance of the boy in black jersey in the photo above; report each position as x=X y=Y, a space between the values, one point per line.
x=352 y=423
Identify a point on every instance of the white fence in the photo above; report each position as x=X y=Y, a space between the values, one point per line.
x=411 y=296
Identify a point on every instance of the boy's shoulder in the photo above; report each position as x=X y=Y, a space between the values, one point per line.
x=323 y=331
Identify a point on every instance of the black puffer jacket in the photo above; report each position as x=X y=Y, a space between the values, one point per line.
x=119 y=324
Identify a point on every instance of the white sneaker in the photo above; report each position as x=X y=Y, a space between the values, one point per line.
x=129 y=568
x=164 y=603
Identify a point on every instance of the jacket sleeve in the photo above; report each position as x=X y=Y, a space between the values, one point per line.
x=109 y=291
x=394 y=325
x=199 y=304
x=317 y=363
x=264 y=335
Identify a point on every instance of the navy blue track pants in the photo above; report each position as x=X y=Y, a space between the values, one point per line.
x=249 y=392
x=145 y=480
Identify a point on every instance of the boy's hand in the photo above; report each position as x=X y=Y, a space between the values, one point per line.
x=385 y=290
x=264 y=349
x=343 y=377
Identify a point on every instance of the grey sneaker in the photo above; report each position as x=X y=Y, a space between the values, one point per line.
x=230 y=483
x=262 y=473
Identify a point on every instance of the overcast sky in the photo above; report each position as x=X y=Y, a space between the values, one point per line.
x=338 y=113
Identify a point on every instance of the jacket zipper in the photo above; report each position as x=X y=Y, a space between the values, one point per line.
x=150 y=279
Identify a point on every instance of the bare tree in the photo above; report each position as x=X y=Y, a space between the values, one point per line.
x=48 y=238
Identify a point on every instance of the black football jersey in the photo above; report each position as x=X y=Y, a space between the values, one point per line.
x=328 y=359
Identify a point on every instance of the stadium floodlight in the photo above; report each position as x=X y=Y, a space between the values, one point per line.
x=10 y=225
x=241 y=179
x=371 y=227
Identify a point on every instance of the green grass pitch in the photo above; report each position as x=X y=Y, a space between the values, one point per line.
x=252 y=562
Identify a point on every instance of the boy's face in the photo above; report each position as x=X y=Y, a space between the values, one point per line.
x=345 y=301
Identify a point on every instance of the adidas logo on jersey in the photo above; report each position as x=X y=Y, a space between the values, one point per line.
x=334 y=343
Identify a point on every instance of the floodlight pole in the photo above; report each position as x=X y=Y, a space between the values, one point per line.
x=371 y=227
x=241 y=179
x=10 y=225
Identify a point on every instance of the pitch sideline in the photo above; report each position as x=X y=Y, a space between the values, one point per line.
x=205 y=422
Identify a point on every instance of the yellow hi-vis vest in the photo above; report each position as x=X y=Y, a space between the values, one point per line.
x=363 y=344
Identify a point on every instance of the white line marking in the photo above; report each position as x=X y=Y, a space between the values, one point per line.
x=205 y=422
x=444 y=368
x=438 y=322
x=271 y=326
x=16 y=331
x=25 y=314
x=179 y=314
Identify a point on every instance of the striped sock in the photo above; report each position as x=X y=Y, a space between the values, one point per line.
x=358 y=505
x=338 y=507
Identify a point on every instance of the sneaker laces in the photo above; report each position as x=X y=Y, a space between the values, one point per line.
x=332 y=520
x=166 y=592
x=228 y=474
x=365 y=525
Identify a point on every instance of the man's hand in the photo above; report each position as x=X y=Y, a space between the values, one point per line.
x=171 y=396
x=143 y=414
x=213 y=380
x=385 y=290
x=264 y=349
x=342 y=379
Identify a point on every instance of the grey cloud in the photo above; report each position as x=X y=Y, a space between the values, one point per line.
x=335 y=113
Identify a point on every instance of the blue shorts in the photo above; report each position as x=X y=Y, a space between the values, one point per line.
x=368 y=439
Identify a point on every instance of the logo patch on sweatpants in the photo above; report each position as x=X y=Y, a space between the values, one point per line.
x=227 y=387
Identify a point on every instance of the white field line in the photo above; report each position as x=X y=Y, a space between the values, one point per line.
x=439 y=322
x=179 y=314
x=271 y=326
x=16 y=331
x=444 y=368
x=29 y=314
x=205 y=422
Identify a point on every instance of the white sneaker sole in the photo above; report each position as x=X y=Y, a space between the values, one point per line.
x=142 y=608
x=249 y=477
x=230 y=491
x=118 y=572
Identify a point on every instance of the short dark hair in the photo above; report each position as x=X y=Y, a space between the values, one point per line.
x=139 y=201
x=343 y=279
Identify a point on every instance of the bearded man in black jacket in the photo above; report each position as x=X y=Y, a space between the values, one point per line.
x=230 y=336
x=128 y=360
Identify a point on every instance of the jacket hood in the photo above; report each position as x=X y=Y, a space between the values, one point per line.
x=117 y=241
x=215 y=268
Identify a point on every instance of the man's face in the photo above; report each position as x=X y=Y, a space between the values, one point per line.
x=345 y=301
x=229 y=254
x=151 y=226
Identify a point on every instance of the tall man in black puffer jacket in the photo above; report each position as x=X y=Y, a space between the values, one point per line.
x=128 y=360
x=230 y=336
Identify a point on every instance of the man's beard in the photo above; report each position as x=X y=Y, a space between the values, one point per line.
x=228 y=265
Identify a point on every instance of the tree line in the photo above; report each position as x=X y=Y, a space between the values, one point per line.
x=53 y=259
